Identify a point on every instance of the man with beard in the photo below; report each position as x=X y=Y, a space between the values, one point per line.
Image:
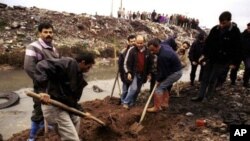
x=125 y=81
x=35 y=52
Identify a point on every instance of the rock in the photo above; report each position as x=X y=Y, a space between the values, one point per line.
x=189 y=114
x=19 y=7
x=2 y=5
x=7 y=28
x=15 y=25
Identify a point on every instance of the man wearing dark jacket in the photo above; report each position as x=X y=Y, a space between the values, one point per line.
x=137 y=66
x=168 y=71
x=194 y=55
x=246 y=54
x=62 y=80
x=171 y=42
x=123 y=75
x=221 y=50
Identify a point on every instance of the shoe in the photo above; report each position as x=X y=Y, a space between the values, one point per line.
x=154 y=109
x=192 y=83
x=125 y=106
x=197 y=99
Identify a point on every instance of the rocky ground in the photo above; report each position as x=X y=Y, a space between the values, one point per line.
x=230 y=105
x=103 y=35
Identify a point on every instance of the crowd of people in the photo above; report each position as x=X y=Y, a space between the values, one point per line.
x=175 y=19
x=160 y=62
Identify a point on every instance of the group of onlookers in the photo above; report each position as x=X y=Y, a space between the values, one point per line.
x=175 y=19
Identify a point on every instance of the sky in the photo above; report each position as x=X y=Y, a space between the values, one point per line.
x=207 y=11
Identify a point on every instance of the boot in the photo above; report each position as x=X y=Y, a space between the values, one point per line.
x=35 y=126
x=157 y=104
x=165 y=100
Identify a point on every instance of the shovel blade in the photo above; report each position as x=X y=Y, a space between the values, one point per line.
x=135 y=128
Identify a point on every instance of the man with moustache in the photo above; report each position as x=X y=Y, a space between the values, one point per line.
x=137 y=66
x=34 y=53
x=125 y=81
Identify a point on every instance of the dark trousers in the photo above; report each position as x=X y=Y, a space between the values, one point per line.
x=246 y=75
x=233 y=74
x=37 y=114
x=209 y=78
x=193 y=73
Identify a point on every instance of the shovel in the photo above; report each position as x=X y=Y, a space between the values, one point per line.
x=113 y=88
x=137 y=127
x=67 y=108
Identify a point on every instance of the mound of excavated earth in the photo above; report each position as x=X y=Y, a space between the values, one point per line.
x=230 y=105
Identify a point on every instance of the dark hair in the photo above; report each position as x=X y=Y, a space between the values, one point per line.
x=131 y=37
x=155 y=42
x=248 y=24
x=225 y=16
x=88 y=57
x=187 y=43
x=44 y=25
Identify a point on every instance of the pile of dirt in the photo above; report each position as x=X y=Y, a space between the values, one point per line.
x=230 y=105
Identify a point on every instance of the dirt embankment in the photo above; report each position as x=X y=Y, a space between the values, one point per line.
x=230 y=105
x=101 y=34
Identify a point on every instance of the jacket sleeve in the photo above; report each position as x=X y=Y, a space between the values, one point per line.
x=237 y=47
x=30 y=61
x=41 y=76
x=73 y=75
x=128 y=60
x=192 y=52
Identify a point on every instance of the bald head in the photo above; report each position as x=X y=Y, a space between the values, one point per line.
x=139 y=41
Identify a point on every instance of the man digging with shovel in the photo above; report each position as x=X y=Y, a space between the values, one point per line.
x=168 y=71
x=62 y=80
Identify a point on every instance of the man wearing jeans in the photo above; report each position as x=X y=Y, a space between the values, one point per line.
x=168 y=71
x=123 y=75
x=137 y=66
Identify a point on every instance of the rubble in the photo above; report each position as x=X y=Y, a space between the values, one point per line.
x=77 y=30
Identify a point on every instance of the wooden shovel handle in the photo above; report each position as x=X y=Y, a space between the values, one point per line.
x=146 y=106
x=67 y=108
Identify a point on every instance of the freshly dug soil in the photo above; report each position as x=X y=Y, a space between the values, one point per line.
x=229 y=105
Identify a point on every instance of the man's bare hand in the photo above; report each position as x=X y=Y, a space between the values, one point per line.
x=194 y=63
x=149 y=77
x=129 y=77
x=45 y=98
x=232 y=66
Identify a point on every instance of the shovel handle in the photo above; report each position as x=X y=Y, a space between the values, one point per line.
x=113 y=88
x=67 y=108
x=146 y=106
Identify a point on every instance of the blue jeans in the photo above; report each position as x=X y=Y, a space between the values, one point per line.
x=168 y=82
x=133 y=90
x=124 y=91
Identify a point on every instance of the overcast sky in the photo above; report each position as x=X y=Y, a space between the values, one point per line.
x=207 y=11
